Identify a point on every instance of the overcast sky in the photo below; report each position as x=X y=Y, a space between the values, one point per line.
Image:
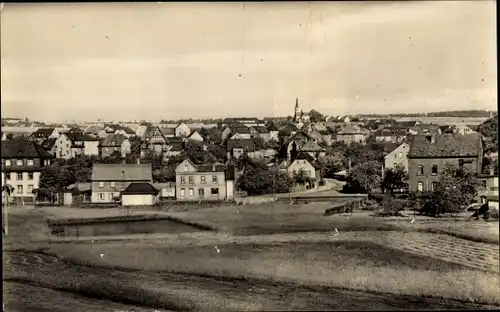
x=155 y=61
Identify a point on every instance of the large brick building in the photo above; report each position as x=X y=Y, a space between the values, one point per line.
x=428 y=156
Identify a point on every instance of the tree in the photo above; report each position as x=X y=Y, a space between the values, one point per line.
x=301 y=177
x=331 y=164
x=489 y=130
x=211 y=135
x=455 y=189
x=364 y=177
x=394 y=179
x=315 y=116
x=256 y=179
x=195 y=151
x=10 y=136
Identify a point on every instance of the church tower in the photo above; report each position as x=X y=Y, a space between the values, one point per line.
x=296 y=114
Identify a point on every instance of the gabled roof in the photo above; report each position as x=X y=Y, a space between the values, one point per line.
x=113 y=140
x=240 y=130
x=167 y=131
x=312 y=146
x=174 y=140
x=304 y=156
x=210 y=167
x=261 y=129
x=92 y=129
x=290 y=127
x=43 y=132
x=140 y=188
x=247 y=144
x=122 y=172
x=176 y=146
x=446 y=145
x=404 y=124
x=22 y=148
x=48 y=144
x=272 y=127
x=350 y=129
x=79 y=137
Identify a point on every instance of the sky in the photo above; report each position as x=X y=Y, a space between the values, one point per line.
x=153 y=61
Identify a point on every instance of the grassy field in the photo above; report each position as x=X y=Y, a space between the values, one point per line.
x=271 y=257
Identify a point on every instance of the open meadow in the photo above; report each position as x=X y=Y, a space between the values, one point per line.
x=258 y=257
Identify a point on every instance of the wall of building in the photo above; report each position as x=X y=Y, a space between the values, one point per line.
x=27 y=184
x=427 y=178
x=398 y=157
x=182 y=188
x=63 y=147
x=138 y=200
x=91 y=148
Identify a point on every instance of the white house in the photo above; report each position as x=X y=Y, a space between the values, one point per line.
x=182 y=130
x=139 y=194
x=398 y=157
x=62 y=147
x=195 y=136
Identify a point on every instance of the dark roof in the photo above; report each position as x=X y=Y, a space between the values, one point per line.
x=176 y=146
x=167 y=130
x=78 y=136
x=445 y=145
x=272 y=127
x=140 y=188
x=113 y=140
x=22 y=148
x=43 y=132
x=174 y=140
x=404 y=124
x=261 y=129
x=48 y=144
x=121 y=172
x=239 y=129
x=247 y=144
x=290 y=127
x=211 y=167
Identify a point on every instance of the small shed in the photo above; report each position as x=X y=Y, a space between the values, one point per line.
x=139 y=194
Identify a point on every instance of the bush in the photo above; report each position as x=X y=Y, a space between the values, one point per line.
x=392 y=206
x=491 y=215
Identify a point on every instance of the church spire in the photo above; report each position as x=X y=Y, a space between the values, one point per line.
x=296 y=102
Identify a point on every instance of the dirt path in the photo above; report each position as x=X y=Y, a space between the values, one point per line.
x=194 y=292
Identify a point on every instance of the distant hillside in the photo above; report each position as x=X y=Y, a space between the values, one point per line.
x=458 y=113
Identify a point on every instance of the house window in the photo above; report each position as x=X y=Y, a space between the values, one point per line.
x=395 y=165
x=19 y=162
x=7 y=162
x=30 y=175
x=215 y=191
x=191 y=192
x=201 y=192
x=101 y=184
x=112 y=184
x=434 y=186
x=183 y=193
x=191 y=180
x=30 y=188
x=19 y=176
x=7 y=176
x=31 y=162
x=183 y=180
x=19 y=189
x=101 y=196
x=214 y=179
x=434 y=170
x=186 y=167
x=420 y=170
x=110 y=196
x=203 y=179
x=420 y=186
x=400 y=155
x=460 y=163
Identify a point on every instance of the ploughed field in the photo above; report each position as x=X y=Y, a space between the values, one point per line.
x=265 y=257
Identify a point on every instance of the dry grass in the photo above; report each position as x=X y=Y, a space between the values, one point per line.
x=347 y=265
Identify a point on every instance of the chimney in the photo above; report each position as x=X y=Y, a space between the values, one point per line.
x=213 y=167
